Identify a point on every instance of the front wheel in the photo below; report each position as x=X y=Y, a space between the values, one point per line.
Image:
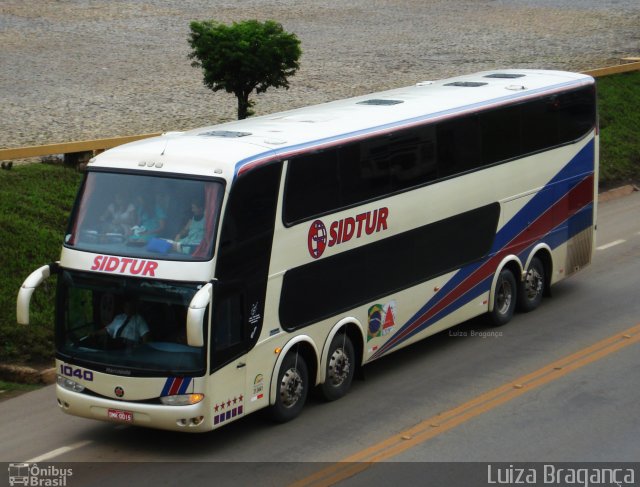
x=340 y=368
x=504 y=300
x=532 y=287
x=292 y=388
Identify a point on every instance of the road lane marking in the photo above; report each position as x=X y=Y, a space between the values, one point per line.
x=58 y=451
x=434 y=426
x=611 y=244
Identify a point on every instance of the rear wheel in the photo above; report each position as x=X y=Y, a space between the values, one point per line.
x=532 y=287
x=340 y=368
x=292 y=388
x=504 y=300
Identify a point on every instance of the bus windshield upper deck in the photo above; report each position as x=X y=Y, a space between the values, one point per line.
x=146 y=216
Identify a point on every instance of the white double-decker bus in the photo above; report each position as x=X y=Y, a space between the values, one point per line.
x=211 y=273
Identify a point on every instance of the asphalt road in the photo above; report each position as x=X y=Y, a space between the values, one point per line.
x=556 y=385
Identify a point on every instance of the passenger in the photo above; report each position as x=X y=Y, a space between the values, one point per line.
x=119 y=216
x=150 y=220
x=192 y=233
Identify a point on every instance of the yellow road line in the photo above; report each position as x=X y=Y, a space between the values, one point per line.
x=438 y=424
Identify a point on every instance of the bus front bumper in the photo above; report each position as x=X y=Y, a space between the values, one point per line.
x=194 y=418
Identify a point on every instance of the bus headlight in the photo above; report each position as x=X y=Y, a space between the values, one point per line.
x=69 y=384
x=182 y=399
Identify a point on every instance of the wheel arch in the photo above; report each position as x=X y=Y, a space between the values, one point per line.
x=512 y=263
x=305 y=346
x=543 y=252
x=354 y=330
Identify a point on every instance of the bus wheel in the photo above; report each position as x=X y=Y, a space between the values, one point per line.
x=340 y=368
x=504 y=301
x=532 y=287
x=293 y=385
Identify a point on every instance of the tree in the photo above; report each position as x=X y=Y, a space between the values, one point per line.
x=243 y=57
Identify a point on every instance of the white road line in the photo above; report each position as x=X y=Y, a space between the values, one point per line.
x=609 y=245
x=58 y=451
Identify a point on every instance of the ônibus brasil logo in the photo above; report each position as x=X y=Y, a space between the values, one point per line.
x=341 y=231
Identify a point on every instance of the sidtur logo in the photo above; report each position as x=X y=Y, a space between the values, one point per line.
x=317 y=239
x=342 y=231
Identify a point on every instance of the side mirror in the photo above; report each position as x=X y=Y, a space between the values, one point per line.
x=29 y=285
x=196 y=314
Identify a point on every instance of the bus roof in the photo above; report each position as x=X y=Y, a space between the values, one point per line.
x=228 y=149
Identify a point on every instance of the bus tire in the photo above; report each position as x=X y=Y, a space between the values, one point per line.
x=340 y=368
x=532 y=286
x=504 y=300
x=292 y=388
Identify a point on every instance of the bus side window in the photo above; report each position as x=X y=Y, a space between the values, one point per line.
x=458 y=146
x=314 y=185
x=228 y=323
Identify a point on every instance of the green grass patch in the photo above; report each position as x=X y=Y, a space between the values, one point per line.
x=12 y=386
x=35 y=203
x=619 y=109
x=36 y=199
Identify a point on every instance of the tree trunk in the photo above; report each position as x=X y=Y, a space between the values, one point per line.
x=243 y=106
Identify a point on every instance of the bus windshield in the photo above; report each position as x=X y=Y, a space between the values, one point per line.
x=146 y=216
x=127 y=324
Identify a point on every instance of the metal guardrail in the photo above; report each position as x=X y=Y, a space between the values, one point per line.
x=97 y=145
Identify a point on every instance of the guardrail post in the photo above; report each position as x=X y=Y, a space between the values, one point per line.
x=77 y=158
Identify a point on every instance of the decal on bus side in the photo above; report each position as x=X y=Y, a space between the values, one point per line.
x=341 y=231
x=228 y=409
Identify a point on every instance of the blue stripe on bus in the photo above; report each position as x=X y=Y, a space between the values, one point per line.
x=167 y=387
x=169 y=383
x=185 y=385
x=554 y=190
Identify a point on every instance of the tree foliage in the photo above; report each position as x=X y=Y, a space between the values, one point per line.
x=245 y=56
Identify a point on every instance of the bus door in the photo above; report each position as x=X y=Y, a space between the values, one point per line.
x=242 y=271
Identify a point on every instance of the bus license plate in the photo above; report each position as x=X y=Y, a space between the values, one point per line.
x=120 y=415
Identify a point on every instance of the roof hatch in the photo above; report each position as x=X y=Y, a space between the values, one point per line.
x=230 y=134
x=379 y=102
x=505 y=75
x=466 y=84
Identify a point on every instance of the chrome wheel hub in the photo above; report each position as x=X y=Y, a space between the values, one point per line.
x=338 y=368
x=504 y=295
x=291 y=387
x=533 y=284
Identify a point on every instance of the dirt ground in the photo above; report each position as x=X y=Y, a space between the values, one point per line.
x=84 y=69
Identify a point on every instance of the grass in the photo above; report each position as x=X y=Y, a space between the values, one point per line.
x=36 y=199
x=13 y=386
x=35 y=202
x=619 y=108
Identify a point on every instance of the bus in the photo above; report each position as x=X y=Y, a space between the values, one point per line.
x=212 y=273
x=18 y=474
